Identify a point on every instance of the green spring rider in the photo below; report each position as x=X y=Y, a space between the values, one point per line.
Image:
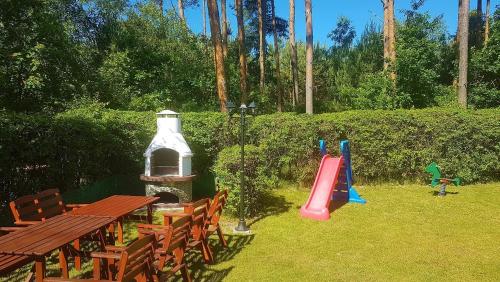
x=434 y=169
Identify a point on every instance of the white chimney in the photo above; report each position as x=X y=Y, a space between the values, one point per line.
x=168 y=154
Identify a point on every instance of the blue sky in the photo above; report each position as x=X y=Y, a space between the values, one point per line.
x=326 y=12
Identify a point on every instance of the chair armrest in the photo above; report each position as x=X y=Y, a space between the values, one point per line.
x=150 y=226
x=59 y=279
x=105 y=255
x=75 y=206
x=112 y=248
x=10 y=229
x=175 y=214
x=24 y=223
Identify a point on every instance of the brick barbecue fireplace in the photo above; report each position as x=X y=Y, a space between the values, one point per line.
x=167 y=172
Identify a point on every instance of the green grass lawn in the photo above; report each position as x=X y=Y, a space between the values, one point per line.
x=402 y=233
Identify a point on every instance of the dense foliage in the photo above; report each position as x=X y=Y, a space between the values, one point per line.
x=130 y=55
x=83 y=145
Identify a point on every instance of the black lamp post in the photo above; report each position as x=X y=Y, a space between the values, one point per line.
x=242 y=226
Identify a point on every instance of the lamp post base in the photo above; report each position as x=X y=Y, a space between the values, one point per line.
x=242 y=227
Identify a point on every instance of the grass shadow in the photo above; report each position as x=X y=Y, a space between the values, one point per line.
x=202 y=272
x=271 y=205
x=436 y=193
x=335 y=205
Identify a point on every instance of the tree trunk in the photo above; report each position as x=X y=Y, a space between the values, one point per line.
x=309 y=58
x=293 y=55
x=204 y=8
x=389 y=39
x=160 y=4
x=487 y=25
x=277 y=60
x=392 y=39
x=463 y=52
x=224 y=27
x=386 y=35
x=181 y=10
x=480 y=8
x=243 y=51
x=213 y=13
x=262 y=47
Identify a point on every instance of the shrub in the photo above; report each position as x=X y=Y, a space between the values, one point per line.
x=259 y=176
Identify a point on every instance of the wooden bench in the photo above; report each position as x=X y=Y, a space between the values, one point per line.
x=131 y=263
x=31 y=209
x=172 y=244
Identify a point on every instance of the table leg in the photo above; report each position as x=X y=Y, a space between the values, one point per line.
x=63 y=261
x=111 y=233
x=102 y=238
x=120 y=230
x=150 y=213
x=96 y=272
x=78 y=259
x=39 y=269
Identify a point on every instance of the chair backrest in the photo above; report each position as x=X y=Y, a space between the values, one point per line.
x=216 y=207
x=38 y=207
x=25 y=209
x=199 y=213
x=137 y=260
x=172 y=239
x=50 y=203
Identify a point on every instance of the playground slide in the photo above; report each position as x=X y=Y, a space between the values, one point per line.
x=317 y=205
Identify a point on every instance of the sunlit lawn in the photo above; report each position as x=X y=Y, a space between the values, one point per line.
x=402 y=233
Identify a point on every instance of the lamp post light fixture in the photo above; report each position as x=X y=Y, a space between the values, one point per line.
x=242 y=226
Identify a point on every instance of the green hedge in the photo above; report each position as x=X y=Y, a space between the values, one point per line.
x=387 y=145
x=87 y=144
x=84 y=145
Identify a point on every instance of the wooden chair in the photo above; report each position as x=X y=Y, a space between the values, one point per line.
x=214 y=215
x=172 y=243
x=198 y=239
x=25 y=211
x=132 y=263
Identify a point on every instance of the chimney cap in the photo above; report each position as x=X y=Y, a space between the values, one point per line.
x=167 y=113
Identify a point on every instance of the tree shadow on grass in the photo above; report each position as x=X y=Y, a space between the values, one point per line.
x=202 y=272
x=271 y=205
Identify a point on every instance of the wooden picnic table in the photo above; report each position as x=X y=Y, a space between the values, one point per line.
x=118 y=206
x=40 y=240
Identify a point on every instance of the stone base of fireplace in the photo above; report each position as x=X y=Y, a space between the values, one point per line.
x=180 y=187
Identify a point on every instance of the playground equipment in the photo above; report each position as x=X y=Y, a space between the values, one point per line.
x=333 y=182
x=434 y=169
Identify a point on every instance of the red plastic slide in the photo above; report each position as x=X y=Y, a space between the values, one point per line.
x=321 y=194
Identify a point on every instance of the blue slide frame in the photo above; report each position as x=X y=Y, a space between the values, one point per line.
x=346 y=154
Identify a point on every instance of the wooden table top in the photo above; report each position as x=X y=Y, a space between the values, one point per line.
x=41 y=239
x=115 y=206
